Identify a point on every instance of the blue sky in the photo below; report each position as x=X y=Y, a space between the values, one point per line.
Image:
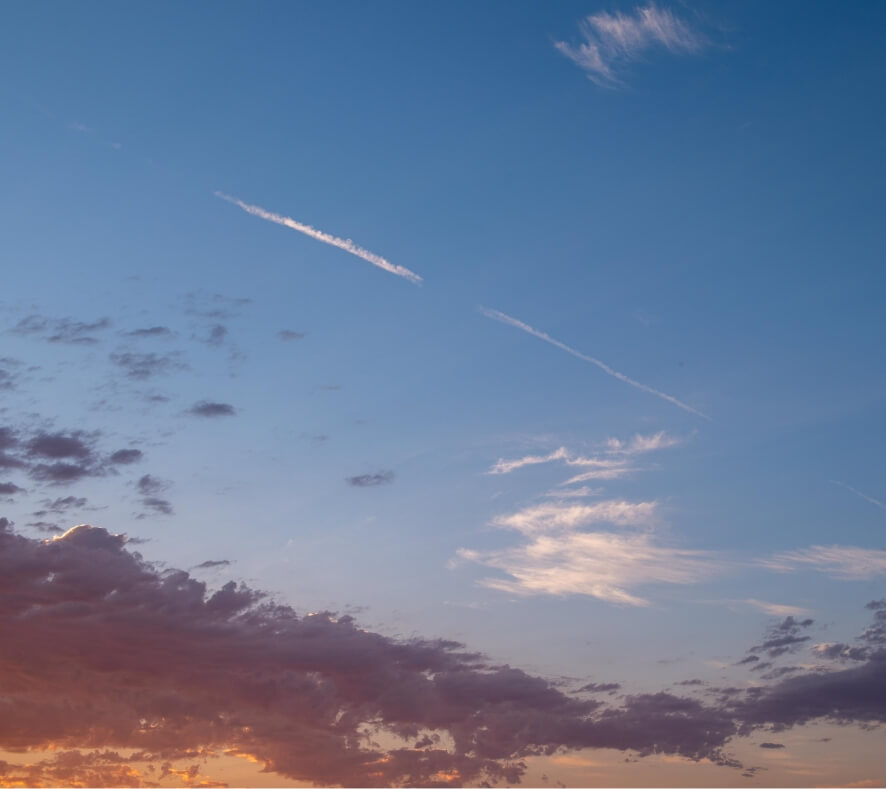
x=692 y=199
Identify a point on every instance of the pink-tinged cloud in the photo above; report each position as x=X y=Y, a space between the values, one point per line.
x=108 y=660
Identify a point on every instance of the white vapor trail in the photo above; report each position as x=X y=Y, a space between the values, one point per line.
x=871 y=499
x=342 y=243
x=509 y=321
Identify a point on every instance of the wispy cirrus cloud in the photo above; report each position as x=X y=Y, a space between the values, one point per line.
x=613 y=40
x=776 y=609
x=843 y=562
x=501 y=317
x=572 y=549
x=318 y=235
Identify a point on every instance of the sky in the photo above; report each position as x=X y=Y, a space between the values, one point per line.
x=442 y=394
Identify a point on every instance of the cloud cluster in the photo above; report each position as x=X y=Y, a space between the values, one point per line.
x=612 y=40
x=601 y=549
x=113 y=654
x=61 y=330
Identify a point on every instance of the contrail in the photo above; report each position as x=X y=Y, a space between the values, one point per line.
x=342 y=243
x=508 y=320
x=871 y=499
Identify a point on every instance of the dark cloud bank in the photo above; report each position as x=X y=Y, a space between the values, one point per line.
x=106 y=654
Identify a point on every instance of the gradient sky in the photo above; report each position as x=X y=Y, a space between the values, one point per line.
x=551 y=329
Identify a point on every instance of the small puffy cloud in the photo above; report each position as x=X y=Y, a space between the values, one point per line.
x=9 y=489
x=288 y=335
x=150 y=331
x=208 y=408
x=371 y=480
x=123 y=457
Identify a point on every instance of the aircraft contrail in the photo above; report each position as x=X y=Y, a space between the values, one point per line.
x=509 y=321
x=342 y=243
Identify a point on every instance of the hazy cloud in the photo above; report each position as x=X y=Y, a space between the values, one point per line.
x=126 y=456
x=843 y=562
x=371 y=480
x=151 y=331
x=142 y=366
x=287 y=335
x=613 y=40
x=207 y=408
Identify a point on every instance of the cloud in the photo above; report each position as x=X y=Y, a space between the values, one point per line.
x=782 y=638
x=553 y=516
x=142 y=366
x=604 y=467
x=843 y=562
x=126 y=456
x=60 y=445
x=149 y=487
x=61 y=330
x=560 y=556
x=151 y=331
x=640 y=444
x=287 y=335
x=777 y=609
x=509 y=321
x=612 y=40
x=9 y=373
x=207 y=408
x=371 y=480
x=342 y=243
x=216 y=336
x=870 y=499
x=600 y=687
x=61 y=504
x=210 y=564
x=502 y=466
x=214 y=305
x=771 y=745
x=9 y=489
x=116 y=655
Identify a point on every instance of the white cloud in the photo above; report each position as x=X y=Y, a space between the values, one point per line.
x=502 y=466
x=844 y=562
x=342 y=243
x=553 y=516
x=613 y=39
x=613 y=466
x=604 y=565
x=517 y=324
x=639 y=443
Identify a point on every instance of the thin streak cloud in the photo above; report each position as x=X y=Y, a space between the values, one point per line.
x=871 y=499
x=517 y=324
x=318 y=235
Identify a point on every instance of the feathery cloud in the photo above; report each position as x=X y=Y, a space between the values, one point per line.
x=318 y=235
x=560 y=556
x=517 y=324
x=776 y=609
x=611 y=40
x=843 y=562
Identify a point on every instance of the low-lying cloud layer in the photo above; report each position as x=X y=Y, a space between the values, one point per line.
x=113 y=655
